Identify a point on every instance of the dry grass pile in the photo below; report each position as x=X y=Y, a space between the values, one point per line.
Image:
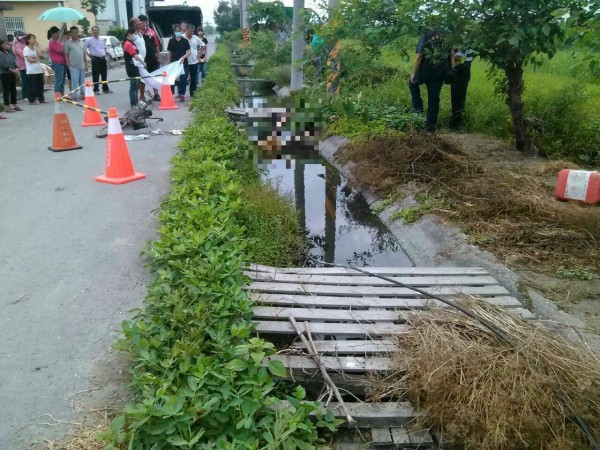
x=84 y=438
x=512 y=211
x=487 y=394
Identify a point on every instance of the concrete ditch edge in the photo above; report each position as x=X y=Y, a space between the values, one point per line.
x=431 y=242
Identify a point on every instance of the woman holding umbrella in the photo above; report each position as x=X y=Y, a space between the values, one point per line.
x=57 y=57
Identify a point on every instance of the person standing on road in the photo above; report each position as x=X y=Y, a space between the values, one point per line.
x=434 y=58
x=202 y=55
x=57 y=58
x=77 y=62
x=96 y=48
x=133 y=60
x=140 y=43
x=196 y=46
x=458 y=89
x=179 y=49
x=35 y=71
x=18 y=48
x=152 y=45
x=8 y=77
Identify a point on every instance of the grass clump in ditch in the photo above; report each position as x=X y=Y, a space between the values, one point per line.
x=484 y=393
x=510 y=203
x=197 y=375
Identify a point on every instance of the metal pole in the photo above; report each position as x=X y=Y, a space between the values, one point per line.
x=297 y=45
x=243 y=14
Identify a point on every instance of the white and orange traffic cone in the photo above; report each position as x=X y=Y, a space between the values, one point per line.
x=91 y=117
x=63 y=138
x=118 y=166
x=166 y=96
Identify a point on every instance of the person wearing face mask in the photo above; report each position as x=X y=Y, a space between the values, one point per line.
x=179 y=49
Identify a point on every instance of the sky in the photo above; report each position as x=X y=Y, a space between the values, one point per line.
x=208 y=6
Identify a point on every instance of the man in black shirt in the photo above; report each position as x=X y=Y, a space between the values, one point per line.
x=434 y=58
x=179 y=49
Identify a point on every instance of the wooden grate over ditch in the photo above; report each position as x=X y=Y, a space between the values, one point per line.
x=351 y=319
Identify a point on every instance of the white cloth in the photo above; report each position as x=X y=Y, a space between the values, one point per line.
x=195 y=45
x=31 y=68
x=174 y=71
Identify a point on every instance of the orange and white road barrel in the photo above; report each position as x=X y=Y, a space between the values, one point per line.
x=579 y=185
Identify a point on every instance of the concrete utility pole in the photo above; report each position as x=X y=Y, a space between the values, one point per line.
x=297 y=45
x=333 y=4
x=243 y=14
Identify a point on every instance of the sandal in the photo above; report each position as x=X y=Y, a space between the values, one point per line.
x=18 y=108
x=10 y=110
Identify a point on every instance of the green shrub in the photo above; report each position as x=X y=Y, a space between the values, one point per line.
x=197 y=375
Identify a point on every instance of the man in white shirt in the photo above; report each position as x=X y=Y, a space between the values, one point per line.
x=196 y=45
x=138 y=40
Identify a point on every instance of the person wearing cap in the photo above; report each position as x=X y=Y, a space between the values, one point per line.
x=152 y=45
x=96 y=48
x=18 y=48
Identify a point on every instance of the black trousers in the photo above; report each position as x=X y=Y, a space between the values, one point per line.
x=9 y=88
x=99 y=70
x=35 y=87
x=458 y=95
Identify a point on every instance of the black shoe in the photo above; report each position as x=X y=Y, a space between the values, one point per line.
x=156 y=98
x=96 y=92
x=108 y=91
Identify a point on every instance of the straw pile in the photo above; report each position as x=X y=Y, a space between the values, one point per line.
x=487 y=394
x=508 y=208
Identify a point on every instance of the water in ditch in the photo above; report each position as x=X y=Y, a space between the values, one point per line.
x=339 y=224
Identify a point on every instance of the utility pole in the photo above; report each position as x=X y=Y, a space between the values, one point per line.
x=297 y=45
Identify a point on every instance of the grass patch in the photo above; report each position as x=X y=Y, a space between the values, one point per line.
x=486 y=393
x=197 y=374
x=505 y=200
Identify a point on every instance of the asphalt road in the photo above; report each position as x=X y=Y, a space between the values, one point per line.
x=70 y=265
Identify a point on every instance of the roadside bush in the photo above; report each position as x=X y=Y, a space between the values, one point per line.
x=197 y=375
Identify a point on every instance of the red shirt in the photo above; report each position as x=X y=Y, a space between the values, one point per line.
x=150 y=32
x=55 y=52
x=130 y=48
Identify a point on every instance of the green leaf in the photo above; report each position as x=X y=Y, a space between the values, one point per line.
x=177 y=441
x=277 y=368
x=236 y=365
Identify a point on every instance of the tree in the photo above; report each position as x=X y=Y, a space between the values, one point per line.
x=509 y=34
x=85 y=26
x=269 y=15
x=93 y=6
x=227 y=17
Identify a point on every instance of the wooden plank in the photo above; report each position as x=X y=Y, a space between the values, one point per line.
x=400 y=436
x=365 y=302
x=381 y=436
x=387 y=271
x=357 y=291
x=348 y=364
x=417 y=281
x=377 y=414
x=342 y=329
x=271 y=312
x=421 y=438
x=352 y=347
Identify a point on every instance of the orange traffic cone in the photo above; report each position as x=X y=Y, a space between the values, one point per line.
x=166 y=96
x=119 y=168
x=91 y=118
x=63 y=138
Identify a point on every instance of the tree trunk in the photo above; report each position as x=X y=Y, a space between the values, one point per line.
x=514 y=75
